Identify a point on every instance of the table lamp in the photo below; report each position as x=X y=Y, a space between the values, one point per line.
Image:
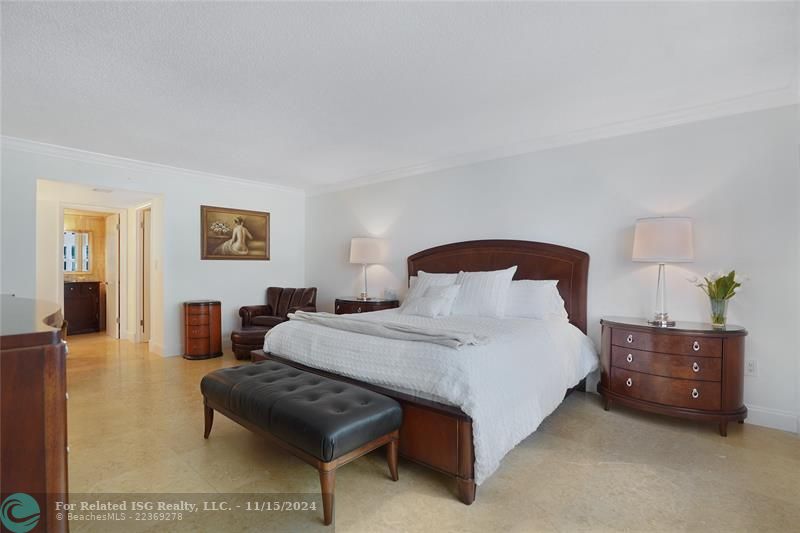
x=367 y=251
x=663 y=240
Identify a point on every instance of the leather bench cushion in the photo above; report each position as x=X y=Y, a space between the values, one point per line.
x=333 y=418
x=321 y=416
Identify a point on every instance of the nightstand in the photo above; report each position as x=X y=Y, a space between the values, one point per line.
x=354 y=305
x=690 y=371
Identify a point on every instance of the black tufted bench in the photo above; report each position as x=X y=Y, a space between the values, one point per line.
x=324 y=422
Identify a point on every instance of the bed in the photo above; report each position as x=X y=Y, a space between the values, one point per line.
x=463 y=409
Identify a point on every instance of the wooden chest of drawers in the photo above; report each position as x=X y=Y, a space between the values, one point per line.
x=345 y=306
x=33 y=408
x=691 y=371
x=202 y=329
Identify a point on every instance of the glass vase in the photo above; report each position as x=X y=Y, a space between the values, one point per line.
x=719 y=313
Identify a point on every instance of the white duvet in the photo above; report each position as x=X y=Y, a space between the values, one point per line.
x=507 y=386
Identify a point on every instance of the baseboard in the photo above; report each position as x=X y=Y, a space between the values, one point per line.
x=156 y=348
x=773 y=418
x=163 y=351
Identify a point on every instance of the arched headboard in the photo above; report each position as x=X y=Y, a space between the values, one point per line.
x=534 y=260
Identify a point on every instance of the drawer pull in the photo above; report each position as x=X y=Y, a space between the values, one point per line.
x=695 y=394
x=629 y=339
x=695 y=367
x=358 y=310
x=338 y=307
x=696 y=346
x=629 y=382
x=629 y=358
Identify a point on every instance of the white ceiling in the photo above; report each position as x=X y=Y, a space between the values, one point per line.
x=311 y=95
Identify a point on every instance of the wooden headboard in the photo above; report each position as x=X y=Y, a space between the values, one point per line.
x=534 y=260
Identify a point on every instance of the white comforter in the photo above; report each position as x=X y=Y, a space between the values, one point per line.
x=507 y=386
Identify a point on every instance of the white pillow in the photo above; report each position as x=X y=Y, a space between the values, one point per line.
x=425 y=280
x=437 y=301
x=448 y=293
x=483 y=293
x=533 y=298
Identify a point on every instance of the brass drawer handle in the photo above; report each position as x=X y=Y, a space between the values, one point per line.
x=358 y=310
x=695 y=394
x=695 y=367
x=696 y=346
x=629 y=358
x=629 y=339
x=629 y=382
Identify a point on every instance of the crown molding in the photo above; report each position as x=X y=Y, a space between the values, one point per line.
x=753 y=102
x=133 y=165
x=789 y=95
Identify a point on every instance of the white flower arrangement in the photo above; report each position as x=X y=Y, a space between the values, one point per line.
x=720 y=286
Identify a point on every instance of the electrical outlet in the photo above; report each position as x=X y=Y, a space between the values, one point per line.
x=751 y=367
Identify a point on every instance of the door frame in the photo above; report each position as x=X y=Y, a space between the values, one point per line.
x=122 y=269
x=143 y=316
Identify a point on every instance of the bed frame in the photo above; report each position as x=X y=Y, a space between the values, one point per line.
x=439 y=436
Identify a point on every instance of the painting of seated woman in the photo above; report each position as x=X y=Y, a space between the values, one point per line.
x=234 y=233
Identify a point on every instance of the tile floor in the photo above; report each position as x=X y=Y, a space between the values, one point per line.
x=136 y=425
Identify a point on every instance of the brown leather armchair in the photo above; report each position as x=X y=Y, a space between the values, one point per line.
x=280 y=302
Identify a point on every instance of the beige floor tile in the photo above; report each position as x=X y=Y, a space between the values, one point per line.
x=136 y=424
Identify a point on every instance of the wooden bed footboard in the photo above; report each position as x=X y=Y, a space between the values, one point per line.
x=435 y=435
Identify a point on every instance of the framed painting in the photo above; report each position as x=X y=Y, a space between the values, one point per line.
x=234 y=233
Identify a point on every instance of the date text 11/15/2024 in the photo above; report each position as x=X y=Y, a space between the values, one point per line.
x=189 y=507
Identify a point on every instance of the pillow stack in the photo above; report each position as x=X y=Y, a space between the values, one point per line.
x=490 y=294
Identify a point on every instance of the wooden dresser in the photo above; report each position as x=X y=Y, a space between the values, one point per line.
x=82 y=306
x=345 y=306
x=202 y=329
x=33 y=406
x=690 y=371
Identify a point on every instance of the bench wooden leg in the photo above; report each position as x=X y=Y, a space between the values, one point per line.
x=391 y=457
x=209 y=415
x=327 y=480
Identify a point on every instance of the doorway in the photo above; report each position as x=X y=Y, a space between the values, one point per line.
x=143 y=273
x=120 y=262
x=90 y=268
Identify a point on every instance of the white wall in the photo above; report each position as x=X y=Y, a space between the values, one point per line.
x=176 y=210
x=736 y=176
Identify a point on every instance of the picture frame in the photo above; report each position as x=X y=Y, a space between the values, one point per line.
x=234 y=234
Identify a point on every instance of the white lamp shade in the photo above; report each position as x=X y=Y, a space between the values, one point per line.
x=663 y=240
x=368 y=250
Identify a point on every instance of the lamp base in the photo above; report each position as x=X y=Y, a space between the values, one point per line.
x=661 y=320
x=363 y=296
